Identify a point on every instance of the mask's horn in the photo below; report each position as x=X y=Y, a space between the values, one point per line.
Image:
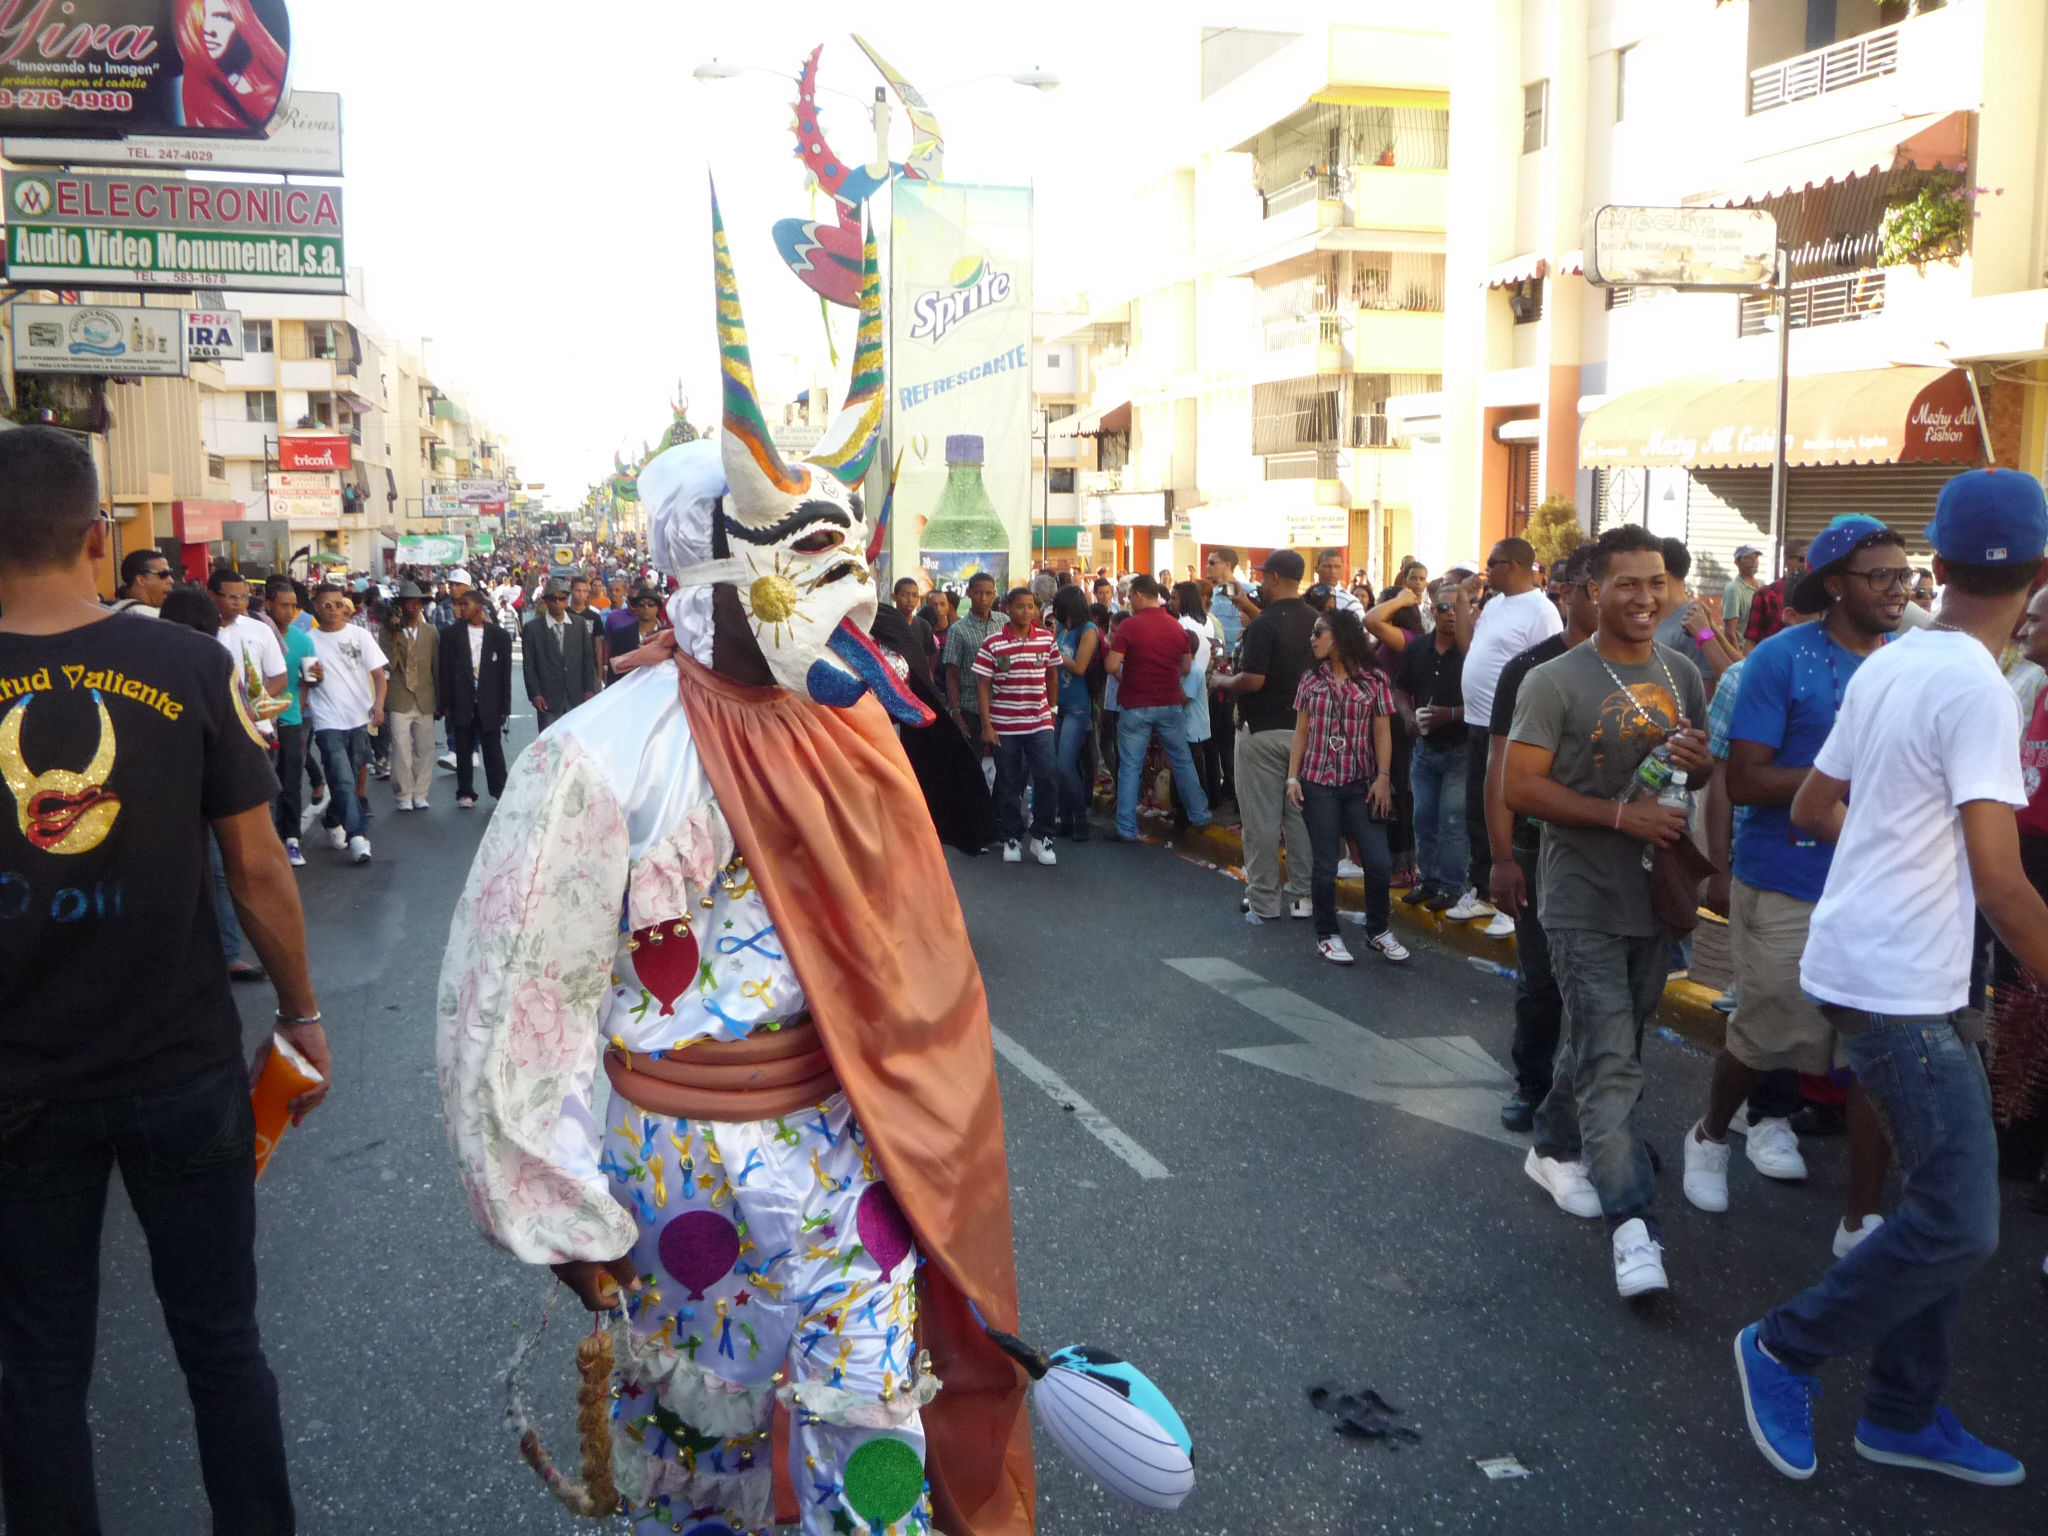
x=763 y=488
x=847 y=449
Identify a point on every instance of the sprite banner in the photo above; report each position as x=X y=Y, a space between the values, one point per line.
x=960 y=377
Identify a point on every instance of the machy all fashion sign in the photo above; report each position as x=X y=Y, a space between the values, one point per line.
x=104 y=68
x=80 y=231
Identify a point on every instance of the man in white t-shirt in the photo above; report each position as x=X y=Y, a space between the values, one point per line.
x=1916 y=786
x=259 y=658
x=345 y=701
x=1518 y=614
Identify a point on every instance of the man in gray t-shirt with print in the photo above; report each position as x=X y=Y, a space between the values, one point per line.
x=1583 y=724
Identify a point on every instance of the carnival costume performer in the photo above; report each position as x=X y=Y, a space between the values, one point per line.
x=719 y=877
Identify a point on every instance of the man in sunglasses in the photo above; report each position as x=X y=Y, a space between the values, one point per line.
x=1858 y=579
x=146 y=580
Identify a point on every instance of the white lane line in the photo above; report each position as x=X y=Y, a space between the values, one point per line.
x=1093 y=1120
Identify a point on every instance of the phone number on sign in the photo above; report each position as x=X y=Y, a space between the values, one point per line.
x=66 y=101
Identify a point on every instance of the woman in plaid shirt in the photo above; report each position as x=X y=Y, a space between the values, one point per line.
x=1338 y=774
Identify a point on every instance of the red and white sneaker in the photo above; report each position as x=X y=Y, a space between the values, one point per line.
x=1332 y=949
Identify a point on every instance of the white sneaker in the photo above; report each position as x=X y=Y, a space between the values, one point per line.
x=337 y=837
x=1390 y=948
x=1706 y=1171
x=359 y=849
x=1350 y=869
x=1013 y=852
x=1846 y=1241
x=446 y=760
x=1566 y=1183
x=1638 y=1260
x=1041 y=850
x=1332 y=949
x=405 y=805
x=1303 y=907
x=1775 y=1150
x=1502 y=927
x=1469 y=906
x=291 y=851
x=419 y=805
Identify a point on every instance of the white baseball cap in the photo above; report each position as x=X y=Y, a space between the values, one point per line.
x=461 y=575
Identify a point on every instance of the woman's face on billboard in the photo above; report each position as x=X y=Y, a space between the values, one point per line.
x=220 y=27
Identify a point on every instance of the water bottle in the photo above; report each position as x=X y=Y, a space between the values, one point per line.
x=1652 y=774
x=1674 y=794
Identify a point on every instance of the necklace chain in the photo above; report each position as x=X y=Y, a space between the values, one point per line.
x=1677 y=704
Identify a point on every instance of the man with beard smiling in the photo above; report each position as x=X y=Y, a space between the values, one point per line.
x=1583 y=725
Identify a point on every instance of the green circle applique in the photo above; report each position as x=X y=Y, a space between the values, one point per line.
x=884 y=1479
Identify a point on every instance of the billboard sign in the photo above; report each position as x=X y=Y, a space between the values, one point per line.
x=213 y=335
x=103 y=68
x=98 y=339
x=313 y=451
x=304 y=140
x=443 y=506
x=960 y=386
x=431 y=549
x=298 y=494
x=1694 y=248
x=474 y=493
x=93 y=231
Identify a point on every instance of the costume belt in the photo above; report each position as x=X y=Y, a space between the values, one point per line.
x=757 y=1078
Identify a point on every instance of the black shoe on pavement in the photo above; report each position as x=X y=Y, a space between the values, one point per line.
x=1417 y=894
x=1519 y=1113
x=1820 y=1120
x=1441 y=901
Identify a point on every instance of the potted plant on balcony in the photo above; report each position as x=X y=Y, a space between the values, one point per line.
x=1930 y=224
x=1386 y=154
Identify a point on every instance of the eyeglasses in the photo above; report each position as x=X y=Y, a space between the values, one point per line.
x=1885 y=577
x=1493 y=560
x=1444 y=607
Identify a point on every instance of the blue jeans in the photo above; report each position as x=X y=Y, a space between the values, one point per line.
x=1074 y=728
x=224 y=907
x=1016 y=757
x=1899 y=1291
x=1436 y=775
x=1134 y=731
x=1334 y=812
x=342 y=753
x=188 y=1161
x=1611 y=985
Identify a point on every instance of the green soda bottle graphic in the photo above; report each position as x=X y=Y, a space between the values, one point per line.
x=966 y=519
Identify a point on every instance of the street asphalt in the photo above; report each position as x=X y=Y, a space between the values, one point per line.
x=1333 y=1208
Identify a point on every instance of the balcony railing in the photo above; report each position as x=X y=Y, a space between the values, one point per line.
x=1289 y=331
x=1825 y=69
x=1819 y=301
x=1307 y=190
x=1318 y=465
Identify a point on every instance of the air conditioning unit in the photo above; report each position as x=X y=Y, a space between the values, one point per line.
x=1372 y=431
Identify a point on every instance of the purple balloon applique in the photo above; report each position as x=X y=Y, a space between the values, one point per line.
x=699 y=1248
x=883 y=1231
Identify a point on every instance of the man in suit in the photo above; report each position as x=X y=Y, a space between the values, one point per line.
x=474 y=689
x=560 y=659
x=411 y=645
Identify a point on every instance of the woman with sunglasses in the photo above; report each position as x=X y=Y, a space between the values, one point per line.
x=1339 y=773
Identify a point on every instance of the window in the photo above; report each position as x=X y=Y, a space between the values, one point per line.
x=257 y=336
x=261 y=404
x=216 y=466
x=1623 y=58
x=321 y=342
x=1535 y=116
x=1060 y=482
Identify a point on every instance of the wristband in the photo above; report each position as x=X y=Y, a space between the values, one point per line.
x=1617 y=815
x=313 y=1018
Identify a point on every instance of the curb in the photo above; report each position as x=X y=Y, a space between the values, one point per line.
x=1687 y=1011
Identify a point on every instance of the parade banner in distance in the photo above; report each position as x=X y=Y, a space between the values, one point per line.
x=80 y=231
x=105 y=68
x=960 y=376
x=98 y=339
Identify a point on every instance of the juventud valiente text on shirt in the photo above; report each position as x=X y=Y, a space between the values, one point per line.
x=91 y=679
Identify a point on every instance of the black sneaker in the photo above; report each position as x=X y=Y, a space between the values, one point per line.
x=1417 y=894
x=1820 y=1120
x=1442 y=901
x=1519 y=1113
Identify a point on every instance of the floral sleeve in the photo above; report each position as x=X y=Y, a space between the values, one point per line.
x=528 y=964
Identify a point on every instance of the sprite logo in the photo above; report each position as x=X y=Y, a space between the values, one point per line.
x=975 y=286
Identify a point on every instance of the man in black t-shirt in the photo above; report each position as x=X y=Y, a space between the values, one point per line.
x=1516 y=843
x=1274 y=654
x=1429 y=690
x=121 y=746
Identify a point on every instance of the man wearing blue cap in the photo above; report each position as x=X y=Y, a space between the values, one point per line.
x=1928 y=737
x=1792 y=684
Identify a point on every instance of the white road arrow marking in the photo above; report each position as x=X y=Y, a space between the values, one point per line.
x=1448 y=1079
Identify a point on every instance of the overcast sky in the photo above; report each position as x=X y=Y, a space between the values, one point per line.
x=526 y=182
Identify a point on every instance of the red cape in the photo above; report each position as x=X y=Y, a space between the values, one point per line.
x=834 y=829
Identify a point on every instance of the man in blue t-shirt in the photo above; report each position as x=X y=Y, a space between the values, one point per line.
x=1858 y=580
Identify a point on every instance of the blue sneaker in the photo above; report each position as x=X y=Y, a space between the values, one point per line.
x=1943 y=1446
x=1778 y=1402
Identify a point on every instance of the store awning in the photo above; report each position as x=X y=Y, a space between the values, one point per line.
x=1516 y=270
x=1056 y=536
x=1934 y=141
x=1873 y=416
x=1100 y=423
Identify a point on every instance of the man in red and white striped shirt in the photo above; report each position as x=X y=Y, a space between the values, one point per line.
x=1016 y=673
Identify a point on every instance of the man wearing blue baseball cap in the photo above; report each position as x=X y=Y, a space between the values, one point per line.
x=1792 y=684
x=1928 y=737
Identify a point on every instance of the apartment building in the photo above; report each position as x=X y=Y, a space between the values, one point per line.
x=1260 y=302
x=1901 y=148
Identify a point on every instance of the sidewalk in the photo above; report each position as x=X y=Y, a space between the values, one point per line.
x=1688 y=1009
